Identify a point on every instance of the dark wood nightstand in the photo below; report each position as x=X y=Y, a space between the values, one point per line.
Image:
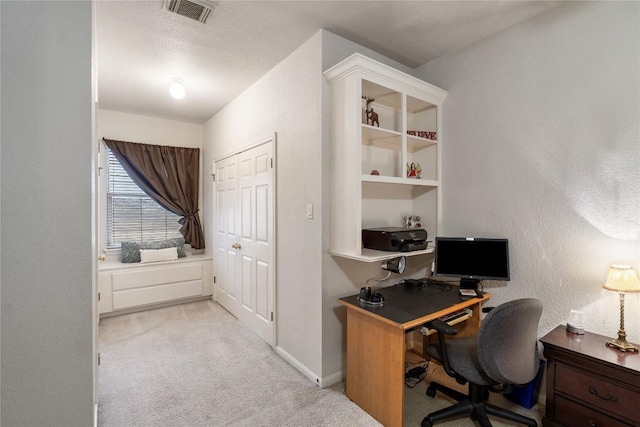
x=588 y=383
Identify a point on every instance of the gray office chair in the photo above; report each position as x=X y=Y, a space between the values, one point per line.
x=503 y=353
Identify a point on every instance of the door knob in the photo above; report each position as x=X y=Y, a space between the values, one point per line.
x=236 y=246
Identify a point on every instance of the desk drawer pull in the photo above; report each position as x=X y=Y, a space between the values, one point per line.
x=593 y=391
x=592 y=423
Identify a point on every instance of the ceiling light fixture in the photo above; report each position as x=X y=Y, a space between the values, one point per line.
x=177 y=89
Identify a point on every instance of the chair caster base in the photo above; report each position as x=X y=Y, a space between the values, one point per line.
x=431 y=392
x=426 y=423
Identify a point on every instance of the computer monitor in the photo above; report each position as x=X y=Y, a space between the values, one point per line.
x=472 y=259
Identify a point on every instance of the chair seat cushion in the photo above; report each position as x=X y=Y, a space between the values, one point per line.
x=463 y=359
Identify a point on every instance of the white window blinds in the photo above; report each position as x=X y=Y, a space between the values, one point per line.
x=131 y=214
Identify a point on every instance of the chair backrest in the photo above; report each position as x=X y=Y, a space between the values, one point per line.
x=508 y=341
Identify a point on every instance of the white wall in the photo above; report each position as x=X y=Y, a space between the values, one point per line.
x=147 y=130
x=46 y=248
x=142 y=129
x=290 y=100
x=286 y=100
x=542 y=147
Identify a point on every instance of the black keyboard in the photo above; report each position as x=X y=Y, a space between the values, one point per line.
x=451 y=316
x=424 y=329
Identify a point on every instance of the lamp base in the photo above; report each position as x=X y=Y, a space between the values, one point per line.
x=622 y=345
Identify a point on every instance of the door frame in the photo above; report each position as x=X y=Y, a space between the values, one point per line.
x=271 y=139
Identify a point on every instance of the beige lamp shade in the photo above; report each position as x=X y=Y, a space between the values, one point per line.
x=622 y=278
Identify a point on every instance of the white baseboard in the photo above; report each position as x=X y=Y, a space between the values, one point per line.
x=322 y=382
x=153 y=306
x=299 y=366
x=331 y=379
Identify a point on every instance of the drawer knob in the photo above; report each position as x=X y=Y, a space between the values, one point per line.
x=593 y=391
x=592 y=423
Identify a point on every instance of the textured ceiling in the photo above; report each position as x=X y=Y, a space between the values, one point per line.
x=141 y=47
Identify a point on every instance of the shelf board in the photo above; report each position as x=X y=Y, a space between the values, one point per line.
x=392 y=140
x=381 y=137
x=416 y=143
x=415 y=106
x=392 y=180
x=371 y=255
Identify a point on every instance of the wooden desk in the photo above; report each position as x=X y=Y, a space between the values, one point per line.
x=588 y=383
x=376 y=343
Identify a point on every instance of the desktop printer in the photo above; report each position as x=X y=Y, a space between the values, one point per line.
x=395 y=239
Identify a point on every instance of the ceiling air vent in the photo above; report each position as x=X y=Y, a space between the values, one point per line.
x=198 y=10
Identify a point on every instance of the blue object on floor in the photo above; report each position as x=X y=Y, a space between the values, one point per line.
x=527 y=395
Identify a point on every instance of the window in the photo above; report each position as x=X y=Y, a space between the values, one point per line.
x=131 y=214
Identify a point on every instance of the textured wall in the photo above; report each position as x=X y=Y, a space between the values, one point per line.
x=46 y=247
x=541 y=145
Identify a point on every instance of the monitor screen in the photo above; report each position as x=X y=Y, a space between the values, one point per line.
x=471 y=258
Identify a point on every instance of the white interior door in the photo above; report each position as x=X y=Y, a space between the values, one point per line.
x=245 y=250
x=226 y=254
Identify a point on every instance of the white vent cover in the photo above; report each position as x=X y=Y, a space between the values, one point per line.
x=198 y=10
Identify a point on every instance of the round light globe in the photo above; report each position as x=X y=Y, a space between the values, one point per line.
x=177 y=89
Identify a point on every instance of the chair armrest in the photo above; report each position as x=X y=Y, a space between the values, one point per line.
x=441 y=326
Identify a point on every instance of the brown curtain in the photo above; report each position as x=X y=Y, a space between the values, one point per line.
x=170 y=176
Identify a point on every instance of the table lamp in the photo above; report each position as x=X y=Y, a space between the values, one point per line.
x=622 y=279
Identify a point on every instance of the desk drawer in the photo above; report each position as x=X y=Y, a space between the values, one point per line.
x=597 y=392
x=572 y=414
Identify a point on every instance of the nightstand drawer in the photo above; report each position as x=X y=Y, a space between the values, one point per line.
x=572 y=414
x=597 y=392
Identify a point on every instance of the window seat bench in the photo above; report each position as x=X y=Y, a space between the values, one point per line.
x=124 y=288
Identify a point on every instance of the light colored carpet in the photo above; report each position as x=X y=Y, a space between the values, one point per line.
x=196 y=365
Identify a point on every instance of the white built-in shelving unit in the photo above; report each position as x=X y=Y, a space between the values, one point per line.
x=408 y=109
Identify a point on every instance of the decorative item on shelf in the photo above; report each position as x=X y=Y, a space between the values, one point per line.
x=423 y=134
x=412 y=221
x=370 y=116
x=367 y=295
x=414 y=170
x=375 y=172
x=365 y=107
x=622 y=279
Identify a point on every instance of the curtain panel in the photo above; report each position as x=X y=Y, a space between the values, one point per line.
x=170 y=176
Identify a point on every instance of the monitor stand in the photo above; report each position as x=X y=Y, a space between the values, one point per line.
x=471 y=284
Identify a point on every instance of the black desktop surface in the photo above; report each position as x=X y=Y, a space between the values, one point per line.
x=404 y=304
